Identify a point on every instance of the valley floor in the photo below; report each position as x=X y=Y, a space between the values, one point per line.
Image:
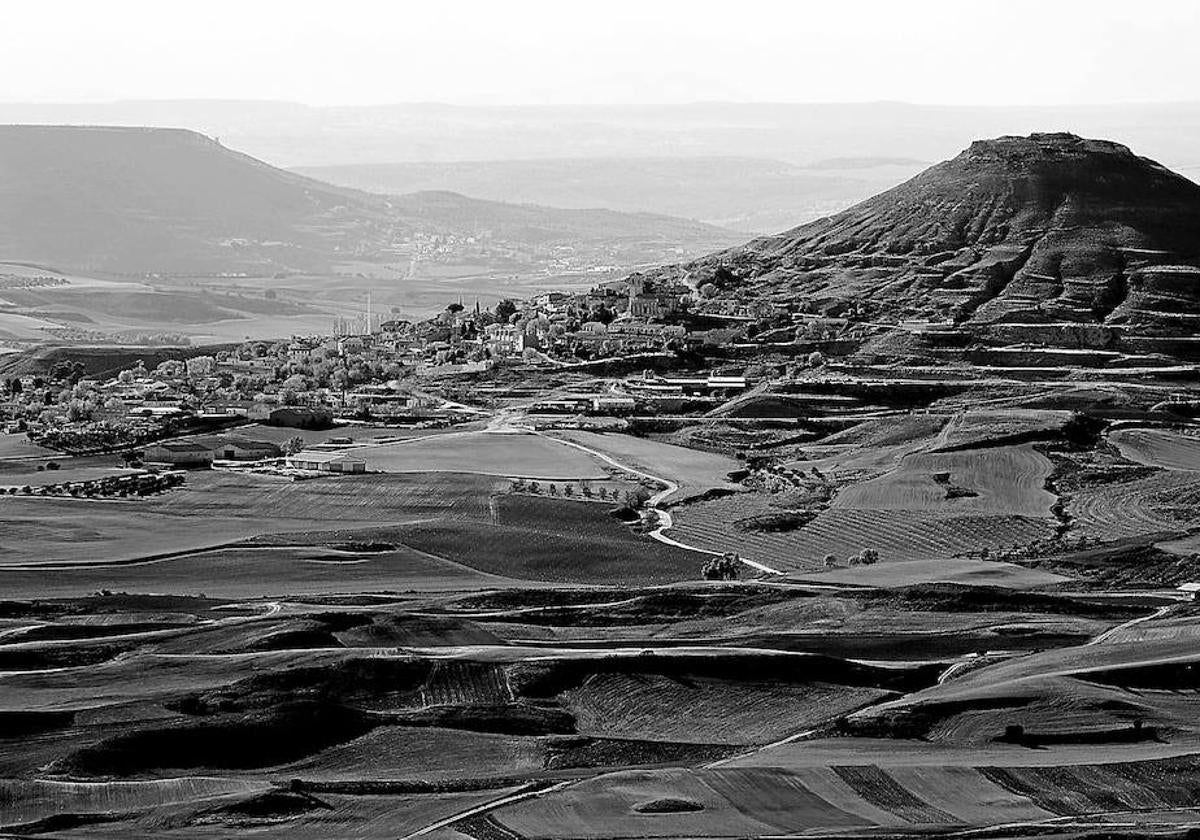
x=438 y=649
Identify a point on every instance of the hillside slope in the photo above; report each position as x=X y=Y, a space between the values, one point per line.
x=1015 y=238
x=150 y=200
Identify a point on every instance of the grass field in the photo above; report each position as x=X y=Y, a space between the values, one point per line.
x=67 y=473
x=218 y=508
x=694 y=471
x=19 y=446
x=554 y=540
x=364 y=433
x=488 y=453
x=256 y=573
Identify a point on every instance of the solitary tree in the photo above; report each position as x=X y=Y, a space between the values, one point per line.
x=293 y=445
x=505 y=309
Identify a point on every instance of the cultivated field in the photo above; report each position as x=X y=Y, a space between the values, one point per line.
x=219 y=508
x=695 y=472
x=898 y=535
x=705 y=710
x=255 y=572
x=17 y=446
x=29 y=801
x=1002 y=481
x=554 y=540
x=1165 y=501
x=1158 y=448
x=488 y=453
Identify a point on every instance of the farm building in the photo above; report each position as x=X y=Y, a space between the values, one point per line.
x=179 y=453
x=613 y=405
x=241 y=449
x=336 y=462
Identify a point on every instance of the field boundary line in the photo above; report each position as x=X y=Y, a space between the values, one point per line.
x=519 y=796
x=1112 y=631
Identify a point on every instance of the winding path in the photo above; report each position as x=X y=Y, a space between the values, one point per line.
x=665 y=521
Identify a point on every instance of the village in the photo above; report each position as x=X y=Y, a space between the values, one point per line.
x=672 y=349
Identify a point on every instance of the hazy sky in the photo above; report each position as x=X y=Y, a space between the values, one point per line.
x=356 y=52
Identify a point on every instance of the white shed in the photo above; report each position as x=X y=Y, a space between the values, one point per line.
x=336 y=462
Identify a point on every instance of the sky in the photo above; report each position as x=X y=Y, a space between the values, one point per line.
x=364 y=52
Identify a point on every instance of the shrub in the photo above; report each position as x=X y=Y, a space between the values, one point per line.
x=726 y=567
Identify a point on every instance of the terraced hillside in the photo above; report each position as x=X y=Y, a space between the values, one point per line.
x=1049 y=239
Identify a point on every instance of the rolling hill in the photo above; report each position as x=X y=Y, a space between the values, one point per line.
x=151 y=200
x=1049 y=239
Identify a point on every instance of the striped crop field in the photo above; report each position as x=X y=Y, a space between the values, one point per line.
x=896 y=534
x=1158 y=448
x=1006 y=480
x=706 y=711
x=1166 y=501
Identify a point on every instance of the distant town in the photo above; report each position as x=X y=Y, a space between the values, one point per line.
x=372 y=369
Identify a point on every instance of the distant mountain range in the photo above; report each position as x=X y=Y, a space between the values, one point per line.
x=141 y=200
x=756 y=168
x=753 y=195
x=294 y=135
x=1047 y=239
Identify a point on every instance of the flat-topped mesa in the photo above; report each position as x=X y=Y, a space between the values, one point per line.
x=1045 y=229
x=1011 y=149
